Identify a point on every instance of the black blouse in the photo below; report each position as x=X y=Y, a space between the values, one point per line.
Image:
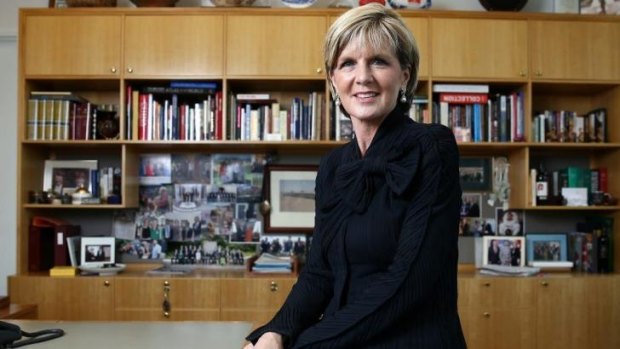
x=381 y=271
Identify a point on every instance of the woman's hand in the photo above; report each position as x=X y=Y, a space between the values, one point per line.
x=269 y=340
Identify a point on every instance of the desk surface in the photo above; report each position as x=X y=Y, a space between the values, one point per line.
x=151 y=335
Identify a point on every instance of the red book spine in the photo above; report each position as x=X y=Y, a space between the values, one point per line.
x=143 y=119
x=603 y=179
x=464 y=98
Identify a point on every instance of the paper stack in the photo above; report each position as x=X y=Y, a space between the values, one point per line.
x=268 y=263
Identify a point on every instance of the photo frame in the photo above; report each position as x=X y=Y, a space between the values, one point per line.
x=503 y=250
x=546 y=247
x=65 y=176
x=95 y=252
x=596 y=7
x=475 y=174
x=510 y=222
x=471 y=204
x=289 y=190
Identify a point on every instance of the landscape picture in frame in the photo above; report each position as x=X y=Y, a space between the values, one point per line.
x=290 y=193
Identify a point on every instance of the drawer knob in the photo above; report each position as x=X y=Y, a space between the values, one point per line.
x=166 y=314
x=319 y=70
x=106 y=283
x=130 y=70
x=274 y=286
x=113 y=70
x=486 y=314
x=166 y=283
x=544 y=284
x=487 y=284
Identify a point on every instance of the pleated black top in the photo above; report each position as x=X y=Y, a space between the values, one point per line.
x=382 y=267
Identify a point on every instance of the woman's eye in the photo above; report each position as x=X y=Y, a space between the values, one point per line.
x=346 y=64
x=379 y=61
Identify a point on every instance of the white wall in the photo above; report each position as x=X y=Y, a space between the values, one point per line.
x=8 y=108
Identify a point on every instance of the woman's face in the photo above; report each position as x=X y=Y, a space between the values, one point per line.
x=368 y=81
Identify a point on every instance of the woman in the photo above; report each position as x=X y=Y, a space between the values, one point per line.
x=381 y=272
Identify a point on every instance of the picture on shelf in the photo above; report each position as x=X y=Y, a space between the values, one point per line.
x=469 y=226
x=191 y=168
x=503 y=250
x=284 y=245
x=65 y=176
x=599 y=7
x=510 y=222
x=97 y=251
x=155 y=169
x=471 y=204
x=290 y=193
x=546 y=247
x=475 y=173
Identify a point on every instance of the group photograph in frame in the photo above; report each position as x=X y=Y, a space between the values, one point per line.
x=475 y=174
x=503 y=250
x=289 y=190
x=546 y=247
x=66 y=176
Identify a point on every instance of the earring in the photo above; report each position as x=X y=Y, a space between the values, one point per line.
x=337 y=101
x=403 y=96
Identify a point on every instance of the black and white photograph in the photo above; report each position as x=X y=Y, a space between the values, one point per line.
x=97 y=251
x=475 y=173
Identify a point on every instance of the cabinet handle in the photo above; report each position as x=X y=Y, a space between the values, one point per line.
x=487 y=284
x=319 y=70
x=166 y=314
x=544 y=283
x=166 y=283
x=130 y=70
x=274 y=286
x=522 y=73
x=113 y=70
x=106 y=283
x=486 y=314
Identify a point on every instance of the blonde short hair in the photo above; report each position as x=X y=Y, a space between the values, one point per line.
x=375 y=25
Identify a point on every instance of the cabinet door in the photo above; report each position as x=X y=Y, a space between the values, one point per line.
x=185 y=45
x=497 y=313
x=576 y=313
x=66 y=298
x=189 y=299
x=479 y=48
x=575 y=50
x=255 y=300
x=275 y=45
x=72 y=45
x=419 y=28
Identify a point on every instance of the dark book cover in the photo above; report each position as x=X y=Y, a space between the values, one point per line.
x=61 y=233
x=40 y=248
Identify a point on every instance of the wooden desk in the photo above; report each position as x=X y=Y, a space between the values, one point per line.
x=151 y=335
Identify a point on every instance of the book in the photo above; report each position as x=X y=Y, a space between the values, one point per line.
x=63 y=271
x=66 y=95
x=464 y=98
x=194 y=84
x=471 y=88
x=254 y=97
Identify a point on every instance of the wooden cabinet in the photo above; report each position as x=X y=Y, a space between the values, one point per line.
x=420 y=29
x=479 y=48
x=575 y=50
x=497 y=312
x=576 y=312
x=188 y=45
x=71 y=45
x=65 y=298
x=270 y=45
x=254 y=299
x=141 y=298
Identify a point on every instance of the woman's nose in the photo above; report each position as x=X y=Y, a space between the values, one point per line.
x=363 y=74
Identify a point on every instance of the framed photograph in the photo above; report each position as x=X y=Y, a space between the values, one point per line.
x=475 y=173
x=155 y=169
x=73 y=245
x=65 y=176
x=96 y=251
x=470 y=205
x=546 y=247
x=510 y=222
x=599 y=7
x=503 y=250
x=289 y=189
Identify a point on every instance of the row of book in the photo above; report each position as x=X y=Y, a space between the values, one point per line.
x=590 y=180
x=568 y=126
x=591 y=248
x=256 y=117
x=189 y=113
x=62 y=115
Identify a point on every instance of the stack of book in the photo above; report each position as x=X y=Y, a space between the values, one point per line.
x=268 y=263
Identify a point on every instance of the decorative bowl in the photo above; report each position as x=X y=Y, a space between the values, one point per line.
x=298 y=3
x=154 y=3
x=91 y=3
x=232 y=3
